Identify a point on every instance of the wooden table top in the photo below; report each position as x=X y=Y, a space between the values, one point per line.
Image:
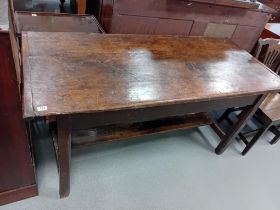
x=81 y=73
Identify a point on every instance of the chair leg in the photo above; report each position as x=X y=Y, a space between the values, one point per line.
x=255 y=139
x=275 y=139
x=246 y=114
x=277 y=136
x=225 y=115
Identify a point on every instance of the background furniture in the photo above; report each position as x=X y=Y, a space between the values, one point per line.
x=17 y=175
x=49 y=22
x=77 y=6
x=271 y=30
x=23 y=5
x=268 y=52
x=176 y=17
x=275 y=4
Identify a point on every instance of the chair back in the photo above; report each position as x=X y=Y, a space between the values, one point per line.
x=268 y=52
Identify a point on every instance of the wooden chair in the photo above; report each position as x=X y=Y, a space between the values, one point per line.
x=268 y=52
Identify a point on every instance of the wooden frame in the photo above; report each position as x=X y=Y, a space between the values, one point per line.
x=108 y=90
x=67 y=123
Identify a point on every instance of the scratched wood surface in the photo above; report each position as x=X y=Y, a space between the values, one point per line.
x=78 y=72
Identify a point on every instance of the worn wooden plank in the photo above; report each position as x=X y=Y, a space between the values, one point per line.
x=124 y=131
x=79 y=72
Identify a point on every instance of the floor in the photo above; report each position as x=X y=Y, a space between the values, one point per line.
x=173 y=171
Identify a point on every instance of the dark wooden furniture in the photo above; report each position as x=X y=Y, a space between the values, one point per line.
x=271 y=30
x=104 y=80
x=184 y=18
x=23 y=5
x=268 y=52
x=17 y=175
x=45 y=22
x=50 y=22
x=275 y=4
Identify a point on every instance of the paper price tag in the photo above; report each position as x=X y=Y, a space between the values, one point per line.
x=42 y=108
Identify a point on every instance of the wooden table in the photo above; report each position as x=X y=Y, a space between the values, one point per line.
x=91 y=80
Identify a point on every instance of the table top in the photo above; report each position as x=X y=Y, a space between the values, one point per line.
x=82 y=73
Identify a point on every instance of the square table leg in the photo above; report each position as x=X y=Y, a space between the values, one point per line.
x=245 y=116
x=64 y=153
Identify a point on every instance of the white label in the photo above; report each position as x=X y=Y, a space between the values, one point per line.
x=34 y=15
x=42 y=108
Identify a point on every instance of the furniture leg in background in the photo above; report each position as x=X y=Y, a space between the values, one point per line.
x=81 y=7
x=246 y=114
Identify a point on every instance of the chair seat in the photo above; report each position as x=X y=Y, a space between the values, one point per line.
x=271 y=107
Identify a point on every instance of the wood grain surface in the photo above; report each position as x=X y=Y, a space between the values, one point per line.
x=82 y=73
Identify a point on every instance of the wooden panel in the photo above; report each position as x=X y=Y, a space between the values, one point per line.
x=145 y=25
x=16 y=166
x=246 y=37
x=176 y=9
x=17 y=170
x=219 y=30
x=173 y=27
x=9 y=96
x=124 y=131
x=83 y=121
x=14 y=42
x=198 y=28
x=23 y=5
x=105 y=13
x=117 y=72
x=124 y=24
x=18 y=194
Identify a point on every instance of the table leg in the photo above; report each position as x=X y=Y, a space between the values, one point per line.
x=64 y=153
x=245 y=115
x=81 y=7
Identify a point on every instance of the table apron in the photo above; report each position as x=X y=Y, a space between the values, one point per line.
x=88 y=120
